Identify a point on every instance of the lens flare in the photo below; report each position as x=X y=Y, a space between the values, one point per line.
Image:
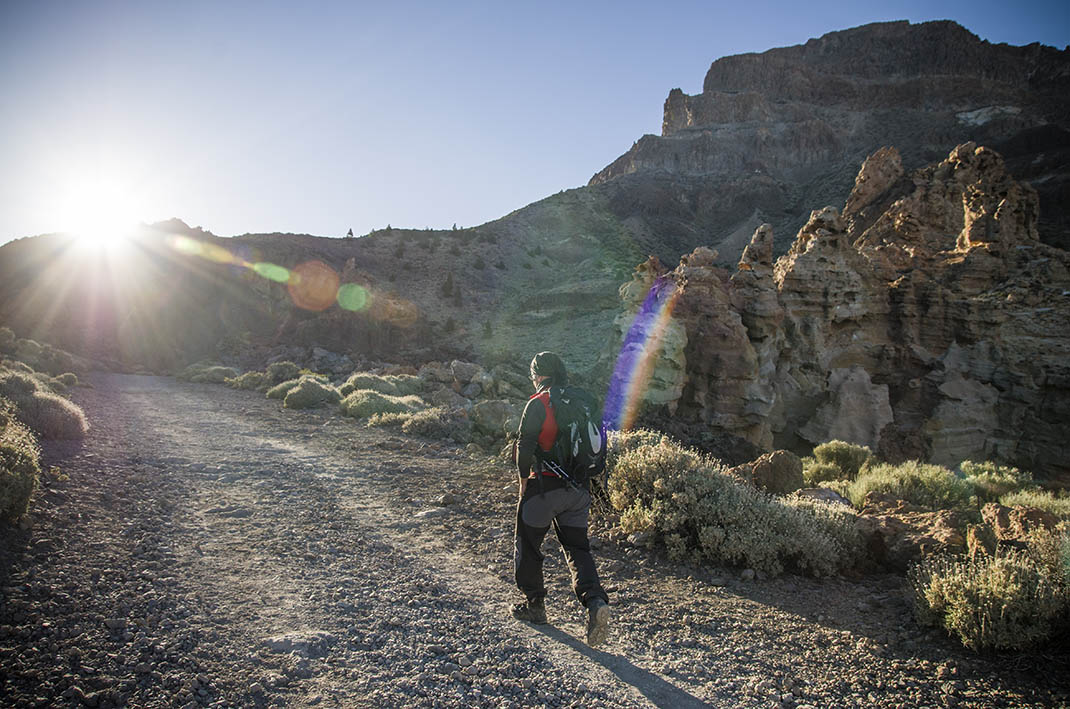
x=313 y=285
x=636 y=359
x=272 y=272
x=352 y=297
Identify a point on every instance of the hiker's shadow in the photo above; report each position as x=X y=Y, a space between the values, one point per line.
x=658 y=691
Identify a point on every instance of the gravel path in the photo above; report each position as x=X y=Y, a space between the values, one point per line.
x=204 y=547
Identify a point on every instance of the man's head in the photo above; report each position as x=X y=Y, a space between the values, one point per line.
x=550 y=366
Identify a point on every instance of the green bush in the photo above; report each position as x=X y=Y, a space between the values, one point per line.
x=687 y=502
x=68 y=379
x=1002 y=602
x=248 y=381
x=365 y=403
x=279 y=372
x=19 y=464
x=51 y=416
x=310 y=392
x=922 y=484
x=848 y=457
x=1042 y=499
x=368 y=382
x=16 y=366
x=816 y=473
x=991 y=481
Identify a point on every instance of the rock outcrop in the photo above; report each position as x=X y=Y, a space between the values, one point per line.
x=927 y=323
x=779 y=130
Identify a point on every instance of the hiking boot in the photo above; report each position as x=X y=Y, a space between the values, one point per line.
x=531 y=611
x=597 y=622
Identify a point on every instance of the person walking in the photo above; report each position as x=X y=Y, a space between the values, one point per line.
x=547 y=498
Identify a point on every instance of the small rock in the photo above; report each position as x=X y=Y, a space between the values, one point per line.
x=256 y=688
x=115 y=623
x=747 y=575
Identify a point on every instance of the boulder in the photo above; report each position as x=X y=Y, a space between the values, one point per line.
x=495 y=417
x=1016 y=523
x=778 y=473
x=897 y=533
x=449 y=399
x=464 y=372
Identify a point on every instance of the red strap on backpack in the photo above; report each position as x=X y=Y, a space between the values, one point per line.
x=548 y=434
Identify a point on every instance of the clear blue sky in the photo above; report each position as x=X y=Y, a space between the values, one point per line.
x=318 y=117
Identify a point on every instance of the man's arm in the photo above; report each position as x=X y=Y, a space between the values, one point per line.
x=531 y=422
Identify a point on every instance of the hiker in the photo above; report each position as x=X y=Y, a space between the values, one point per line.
x=548 y=497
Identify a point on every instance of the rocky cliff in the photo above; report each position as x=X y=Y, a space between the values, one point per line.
x=776 y=132
x=925 y=319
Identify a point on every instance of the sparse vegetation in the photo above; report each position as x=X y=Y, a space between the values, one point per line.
x=364 y=403
x=991 y=481
x=207 y=372
x=279 y=391
x=1006 y=601
x=922 y=484
x=68 y=379
x=1041 y=499
x=437 y=422
x=309 y=393
x=248 y=381
x=19 y=464
x=686 y=501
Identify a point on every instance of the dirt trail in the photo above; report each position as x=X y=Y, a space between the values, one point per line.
x=212 y=549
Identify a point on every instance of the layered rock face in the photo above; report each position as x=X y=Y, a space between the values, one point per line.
x=926 y=320
x=784 y=129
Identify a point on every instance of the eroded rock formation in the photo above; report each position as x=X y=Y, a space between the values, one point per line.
x=924 y=320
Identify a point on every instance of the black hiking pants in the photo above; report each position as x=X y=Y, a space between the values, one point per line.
x=566 y=508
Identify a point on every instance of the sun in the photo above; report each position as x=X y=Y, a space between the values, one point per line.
x=99 y=211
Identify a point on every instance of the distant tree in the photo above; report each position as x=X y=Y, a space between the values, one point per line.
x=455 y=226
x=450 y=325
x=480 y=263
x=349 y=234
x=447 y=287
x=487 y=329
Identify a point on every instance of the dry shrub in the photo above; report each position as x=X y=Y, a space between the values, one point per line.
x=406 y=384
x=365 y=403
x=931 y=486
x=848 y=458
x=279 y=391
x=248 y=381
x=18 y=385
x=53 y=417
x=279 y=372
x=439 y=422
x=68 y=379
x=214 y=375
x=621 y=442
x=310 y=392
x=686 y=501
x=19 y=464
x=388 y=420
x=369 y=382
x=1042 y=499
x=1003 y=602
x=991 y=481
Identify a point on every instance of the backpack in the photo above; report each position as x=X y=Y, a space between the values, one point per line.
x=579 y=452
